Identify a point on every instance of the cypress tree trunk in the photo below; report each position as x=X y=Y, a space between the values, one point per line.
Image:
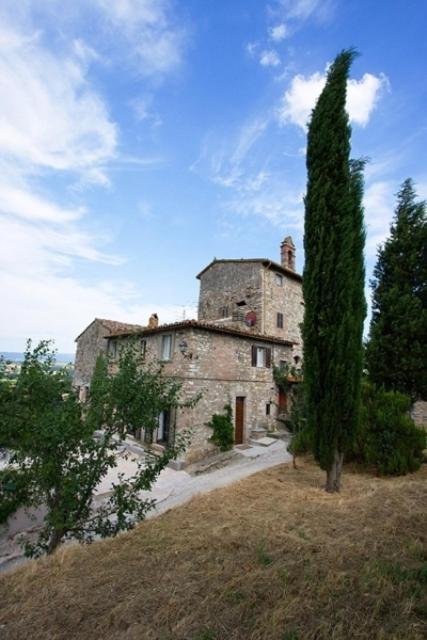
x=333 y=282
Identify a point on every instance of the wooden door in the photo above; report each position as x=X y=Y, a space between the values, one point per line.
x=283 y=401
x=240 y=420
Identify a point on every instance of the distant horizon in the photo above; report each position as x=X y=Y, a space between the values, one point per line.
x=18 y=356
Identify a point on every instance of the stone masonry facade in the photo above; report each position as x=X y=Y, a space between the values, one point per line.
x=250 y=313
x=220 y=367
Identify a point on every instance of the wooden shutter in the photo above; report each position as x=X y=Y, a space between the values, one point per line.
x=268 y=358
x=254 y=355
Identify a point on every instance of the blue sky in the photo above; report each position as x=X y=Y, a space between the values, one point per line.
x=141 y=138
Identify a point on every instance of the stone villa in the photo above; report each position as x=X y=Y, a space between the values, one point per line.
x=249 y=317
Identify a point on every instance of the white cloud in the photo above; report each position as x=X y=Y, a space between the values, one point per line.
x=55 y=124
x=379 y=207
x=147 y=26
x=268 y=197
x=299 y=100
x=84 y=52
x=49 y=116
x=252 y=188
x=50 y=121
x=251 y=48
x=363 y=96
x=278 y=32
x=269 y=58
x=304 y=9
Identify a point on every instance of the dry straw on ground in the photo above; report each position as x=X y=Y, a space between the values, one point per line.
x=272 y=557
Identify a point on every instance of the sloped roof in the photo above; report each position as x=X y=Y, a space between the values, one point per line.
x=205 y=326
x=113 y=326
x=269 y=264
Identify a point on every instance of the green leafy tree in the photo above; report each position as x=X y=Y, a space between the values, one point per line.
x=63 y=449
x=396 y=353
x=333 y=281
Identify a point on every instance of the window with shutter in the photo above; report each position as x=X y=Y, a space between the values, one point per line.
x=261 y=357
x=254 y=352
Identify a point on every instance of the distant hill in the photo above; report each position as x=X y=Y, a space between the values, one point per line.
x=15 y=356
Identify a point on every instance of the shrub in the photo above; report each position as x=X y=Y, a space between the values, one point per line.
x=388 y=437
x=223 y=429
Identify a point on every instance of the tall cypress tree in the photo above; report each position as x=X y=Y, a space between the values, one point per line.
x=333 y=282
x=397 y=349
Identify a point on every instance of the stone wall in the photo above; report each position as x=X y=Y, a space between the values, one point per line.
x=286 y=299
x=419 y=413
x=225 y=284
x=90 y=344
x=220 y=368
x=264 y=290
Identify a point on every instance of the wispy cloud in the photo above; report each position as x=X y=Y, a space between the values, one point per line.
x=49 y=116
x=153 y=38
x=278 y=32
x=269 y=58
x=251 y=187
x=304 y=9
x=289 y=16
x=52 y=123
x=301 y=97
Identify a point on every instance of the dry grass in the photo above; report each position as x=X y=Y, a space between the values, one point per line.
x=272 y=557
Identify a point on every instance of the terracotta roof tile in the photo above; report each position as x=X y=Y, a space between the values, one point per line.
x=113 y=326
x=207 y=326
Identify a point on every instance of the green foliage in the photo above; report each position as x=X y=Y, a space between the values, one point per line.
x=302 y=441
x=223 y=429
x=59 y=459
x=388 y=438
x=297 y=419
x=397 y=348
x=286 y=375
x=12 y=492
x=333 y=280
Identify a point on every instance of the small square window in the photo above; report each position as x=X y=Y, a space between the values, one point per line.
x=280 y=320
x=166 y=348
x=224 y=312
x=279 y=280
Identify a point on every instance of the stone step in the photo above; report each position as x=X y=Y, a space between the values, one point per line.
x=258 y=433
x=263 y=442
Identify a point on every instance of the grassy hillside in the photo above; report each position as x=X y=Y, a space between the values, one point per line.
x=273 y=557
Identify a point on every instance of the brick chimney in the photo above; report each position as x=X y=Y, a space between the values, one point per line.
x=287 y=253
